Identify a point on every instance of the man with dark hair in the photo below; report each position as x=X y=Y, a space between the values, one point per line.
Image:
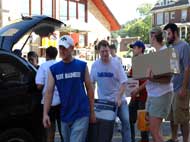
x=96 y=54
x=51 y=53
x=138 y=96
x=179 y=114
x=111 y=84
x=33 y=58
x=41 y=82
x=173 y=32
x=113 y=51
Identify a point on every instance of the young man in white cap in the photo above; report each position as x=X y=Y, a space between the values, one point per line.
x=70 y=76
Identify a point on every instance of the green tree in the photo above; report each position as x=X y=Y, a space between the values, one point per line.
x=138 y=27
x=144 y=9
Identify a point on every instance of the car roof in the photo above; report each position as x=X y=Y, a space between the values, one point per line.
x=12 y=33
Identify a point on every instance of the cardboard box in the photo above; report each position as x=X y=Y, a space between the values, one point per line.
x=162 y=63
x=130 y=86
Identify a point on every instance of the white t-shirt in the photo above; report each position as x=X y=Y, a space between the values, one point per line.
x=117 y=58
x=155 y=89
x=109 y=77
x=42 y=78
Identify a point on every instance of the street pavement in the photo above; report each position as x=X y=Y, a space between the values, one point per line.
x=117 y=136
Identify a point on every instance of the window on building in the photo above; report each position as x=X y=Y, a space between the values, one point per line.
x=184 y=15
x=11 y=73
x=159 y=18
x=63 y=10
x=81 y=40
x=72 y=10
x=81 y=11
x=183 y=33
x=47 y=8
x=16 y=7
x=165 y=2
x=23 y=6
x=167 y=18
x=14 y=10
x=153 y=22
x=35 y=7
x=172 y=15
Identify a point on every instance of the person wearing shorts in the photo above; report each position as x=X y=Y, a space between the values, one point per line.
x=159 y=91
x=179 y=115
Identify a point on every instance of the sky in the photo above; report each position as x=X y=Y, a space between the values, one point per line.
x=125 y=10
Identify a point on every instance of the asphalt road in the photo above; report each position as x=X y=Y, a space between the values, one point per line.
x=117 y=136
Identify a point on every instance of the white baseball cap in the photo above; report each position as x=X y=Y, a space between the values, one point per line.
x=66 y=41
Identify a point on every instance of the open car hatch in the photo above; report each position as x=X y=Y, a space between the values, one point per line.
x=40 y=25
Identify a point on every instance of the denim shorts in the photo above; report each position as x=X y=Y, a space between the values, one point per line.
x=159 y=106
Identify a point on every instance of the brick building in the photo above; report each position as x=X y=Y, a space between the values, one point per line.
x=176 y=11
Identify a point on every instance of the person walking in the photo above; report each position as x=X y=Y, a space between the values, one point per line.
x=72 y=80
x=179 y=114
x=41 y=82
x=159 y=91
x=138 y=96
x=111 y=79
x=113 y=51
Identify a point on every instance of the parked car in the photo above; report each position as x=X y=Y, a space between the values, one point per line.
x=20 y=108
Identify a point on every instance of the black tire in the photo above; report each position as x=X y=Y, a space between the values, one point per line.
x=16 y=135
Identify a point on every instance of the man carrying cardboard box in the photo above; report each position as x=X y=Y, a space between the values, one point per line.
x=180 y=106
x=159 y=91
x=138 y=96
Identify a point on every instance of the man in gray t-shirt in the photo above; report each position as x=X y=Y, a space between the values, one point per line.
x=111 y=79
x=180 y=105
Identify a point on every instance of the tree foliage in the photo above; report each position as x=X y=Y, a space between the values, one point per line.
x=138 y=27
x=144 y=9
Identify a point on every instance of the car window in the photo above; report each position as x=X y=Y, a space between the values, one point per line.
x=11 y=75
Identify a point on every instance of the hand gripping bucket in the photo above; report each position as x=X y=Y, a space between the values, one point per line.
x=102 y=130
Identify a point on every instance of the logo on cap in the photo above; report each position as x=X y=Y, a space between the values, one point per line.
x=66 y=41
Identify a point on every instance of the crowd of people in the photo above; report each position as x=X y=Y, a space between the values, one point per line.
x=68 y=89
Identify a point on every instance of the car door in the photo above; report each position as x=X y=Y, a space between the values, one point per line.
x=15 y=86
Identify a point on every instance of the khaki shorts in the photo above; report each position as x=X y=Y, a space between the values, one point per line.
x=159 y=106
x=180 y=109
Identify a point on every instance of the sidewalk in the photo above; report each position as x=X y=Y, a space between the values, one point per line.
x=165 y=130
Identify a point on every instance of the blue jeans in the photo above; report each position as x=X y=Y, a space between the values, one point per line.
x=75 y=131
x=123 y=114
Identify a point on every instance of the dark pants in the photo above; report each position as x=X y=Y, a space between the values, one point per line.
x=133 y=107
x=54 y=114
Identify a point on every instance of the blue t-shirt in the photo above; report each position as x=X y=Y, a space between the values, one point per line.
x=69 y=79
x=183 y=50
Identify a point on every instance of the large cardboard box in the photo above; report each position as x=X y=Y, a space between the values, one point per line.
x=162 y=63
